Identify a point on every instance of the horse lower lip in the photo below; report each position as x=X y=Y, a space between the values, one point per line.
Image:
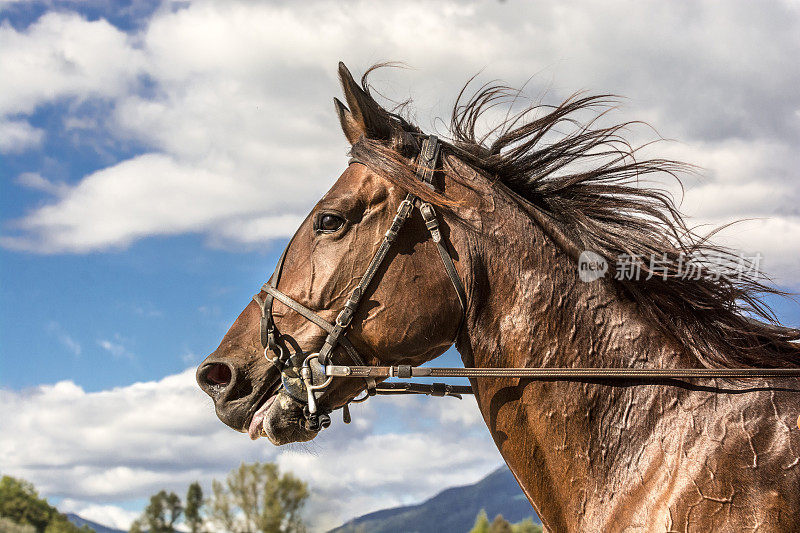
x=255 y=428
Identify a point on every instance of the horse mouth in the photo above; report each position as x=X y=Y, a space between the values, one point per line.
x=280 y=419
x=254 y=428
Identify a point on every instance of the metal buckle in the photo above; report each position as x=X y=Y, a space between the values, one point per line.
x=405 y=207
x=307 y=375
x=345 y=317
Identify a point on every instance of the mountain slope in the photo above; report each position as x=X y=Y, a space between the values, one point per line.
x=453 y=509
x=98 y=528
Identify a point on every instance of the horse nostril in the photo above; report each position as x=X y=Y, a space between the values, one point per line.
x=219 y=374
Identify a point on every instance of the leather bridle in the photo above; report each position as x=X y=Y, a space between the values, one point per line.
x=306 y=377
x=293 y=381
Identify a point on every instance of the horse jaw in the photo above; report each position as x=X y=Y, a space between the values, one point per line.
x=282 y=422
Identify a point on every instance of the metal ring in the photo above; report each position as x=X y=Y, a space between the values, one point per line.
x=278 y=357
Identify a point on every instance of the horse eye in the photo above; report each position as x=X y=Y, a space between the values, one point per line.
x=329 y=223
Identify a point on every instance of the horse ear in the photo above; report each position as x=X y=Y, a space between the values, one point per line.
x=352 y=129
x=365 y=117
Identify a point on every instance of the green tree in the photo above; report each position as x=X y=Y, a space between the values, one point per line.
x=9 y=526
x=256 y=497
x=500 y=525
x=21 y=505
x=481 y=523
x=194 y=504
x=160 y=515
x=526 y=526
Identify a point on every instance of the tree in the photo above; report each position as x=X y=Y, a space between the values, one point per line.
x=481 y=523
x=255 y=497
x=194 y=502
x=21 y=505
x=9 y=526
x=160 y=514
x=526 y=526
x=500 y=525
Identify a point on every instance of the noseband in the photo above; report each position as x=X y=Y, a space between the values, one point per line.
x=306 y=377
x=301 y=379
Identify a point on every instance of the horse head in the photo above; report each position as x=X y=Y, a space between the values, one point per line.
x=408 y=314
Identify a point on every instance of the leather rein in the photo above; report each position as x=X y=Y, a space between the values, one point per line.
x=306 y=377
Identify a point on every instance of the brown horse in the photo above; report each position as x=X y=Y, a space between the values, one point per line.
x=705 y=455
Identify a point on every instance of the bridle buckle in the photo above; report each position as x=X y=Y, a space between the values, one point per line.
x=344 y=318
x=405 y=207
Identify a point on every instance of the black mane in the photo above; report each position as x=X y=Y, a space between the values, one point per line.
x=587 y=180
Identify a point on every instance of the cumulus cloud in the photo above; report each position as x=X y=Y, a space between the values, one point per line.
x=18 y=136
x=151 y=194
x=98 y=449
x=236 y=108
x=108 y=515
x=749 y=187
x=64 y=55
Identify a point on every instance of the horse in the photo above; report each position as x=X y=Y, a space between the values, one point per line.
x=518 y=212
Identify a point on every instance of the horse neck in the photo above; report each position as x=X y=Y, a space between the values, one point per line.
x=564 y=441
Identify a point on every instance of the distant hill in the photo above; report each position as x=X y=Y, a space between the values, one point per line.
x=452 y=510
x=99 y=528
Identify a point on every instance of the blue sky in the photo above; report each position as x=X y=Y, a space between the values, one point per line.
x=155 y=157
x=112 y=317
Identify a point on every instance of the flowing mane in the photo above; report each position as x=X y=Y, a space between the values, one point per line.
x=587 y=182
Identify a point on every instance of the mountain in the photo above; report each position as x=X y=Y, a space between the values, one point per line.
x=453 y=509
x=99 y=528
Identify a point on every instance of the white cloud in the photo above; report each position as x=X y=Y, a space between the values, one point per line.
x=240 y=122
x=770 y=239
x=151 y=194
x=64 y=55
x=98 y=450
x=117 y=348
x=35 y=181
x=108 y=515
x=255 y=230
x=752 y=182
x=18 y=136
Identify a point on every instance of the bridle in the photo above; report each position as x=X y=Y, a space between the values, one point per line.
x=306 y=377
x=304 y=385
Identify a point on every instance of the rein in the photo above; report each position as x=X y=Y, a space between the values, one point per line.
x=306 y=377
x=555 y=373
